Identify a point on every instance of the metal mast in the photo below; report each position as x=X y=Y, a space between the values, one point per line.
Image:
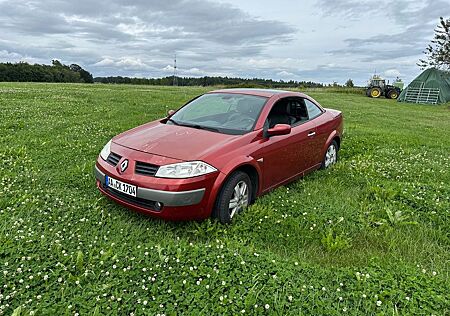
x=175 y=79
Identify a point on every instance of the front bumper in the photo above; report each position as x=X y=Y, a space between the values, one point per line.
x=168 y=198
x=181 y=199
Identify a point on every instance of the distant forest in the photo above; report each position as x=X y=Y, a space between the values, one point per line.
x=56 y=72
x=209 y=81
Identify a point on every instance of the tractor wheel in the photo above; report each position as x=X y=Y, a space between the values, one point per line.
x=375 y=92
x=392 y=94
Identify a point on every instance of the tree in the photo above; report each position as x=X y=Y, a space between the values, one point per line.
x=438 y=52
x=349 y=83
x=84 y=75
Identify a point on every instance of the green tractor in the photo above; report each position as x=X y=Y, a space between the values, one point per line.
x=377 y=87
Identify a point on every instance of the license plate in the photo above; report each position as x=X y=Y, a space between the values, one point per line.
x=120 y=186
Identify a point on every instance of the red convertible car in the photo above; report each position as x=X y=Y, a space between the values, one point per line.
x=218 y=153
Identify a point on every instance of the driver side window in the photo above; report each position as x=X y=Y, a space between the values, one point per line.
x=279 y=114
x=292 y=111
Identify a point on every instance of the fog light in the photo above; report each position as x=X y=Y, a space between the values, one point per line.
x=158 y=206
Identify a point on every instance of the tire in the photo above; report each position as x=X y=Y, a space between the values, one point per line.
x=327 y=160
x=392 y=94
x=223 y=210
x=375 y=92
x=388 y=94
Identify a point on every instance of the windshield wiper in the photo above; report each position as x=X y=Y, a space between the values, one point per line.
x=173 y=121
x=206 y=128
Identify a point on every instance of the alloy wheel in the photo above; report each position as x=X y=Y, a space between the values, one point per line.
x=239 y=199
x=330 y=156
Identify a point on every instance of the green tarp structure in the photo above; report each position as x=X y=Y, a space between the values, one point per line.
x=431 y=86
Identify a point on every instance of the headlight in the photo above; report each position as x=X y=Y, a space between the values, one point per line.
x=184 y=170
x=106 y=151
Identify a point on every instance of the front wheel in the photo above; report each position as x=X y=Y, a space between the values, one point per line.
x=392 y=94
x=234 y=196
x=331 y=155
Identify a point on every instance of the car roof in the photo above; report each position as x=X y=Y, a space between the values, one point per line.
x=259 y=92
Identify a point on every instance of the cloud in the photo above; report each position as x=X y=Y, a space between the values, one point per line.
x=319 y=40
x=137 y=35
x=392 y=73
x=105 y=62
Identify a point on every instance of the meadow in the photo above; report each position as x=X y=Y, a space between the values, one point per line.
x=370 y=236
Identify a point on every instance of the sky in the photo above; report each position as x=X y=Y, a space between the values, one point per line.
x=322 y=41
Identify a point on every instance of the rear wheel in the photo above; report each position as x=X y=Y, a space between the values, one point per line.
x=392 y=94
x=375 y=92
x=331 y=155
x=234 y=196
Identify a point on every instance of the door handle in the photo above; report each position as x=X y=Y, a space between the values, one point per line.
x=311 y=134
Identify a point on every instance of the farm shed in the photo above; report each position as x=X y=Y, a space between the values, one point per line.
x=431 y=86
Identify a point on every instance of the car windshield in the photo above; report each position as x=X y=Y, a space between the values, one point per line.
x=227 y=113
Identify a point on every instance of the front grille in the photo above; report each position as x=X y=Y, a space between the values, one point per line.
x=132 y=200
x=113 y=159
x=146 y=168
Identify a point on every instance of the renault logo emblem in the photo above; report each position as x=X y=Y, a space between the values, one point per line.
x=124 y=165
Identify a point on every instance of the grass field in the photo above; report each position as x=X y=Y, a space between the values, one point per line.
x=371 y=236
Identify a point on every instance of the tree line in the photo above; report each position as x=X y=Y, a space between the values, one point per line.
x=209 y=81
x=56 y=72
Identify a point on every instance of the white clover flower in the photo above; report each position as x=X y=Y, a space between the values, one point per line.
x=290 y=298
x=434 y=273
x=267 y=306
x=379 y=303
x=145 y=302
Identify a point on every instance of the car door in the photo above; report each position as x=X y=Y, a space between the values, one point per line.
x=288 y=156
x=321 y=133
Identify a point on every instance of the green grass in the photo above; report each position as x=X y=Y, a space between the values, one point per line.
x=368 y=237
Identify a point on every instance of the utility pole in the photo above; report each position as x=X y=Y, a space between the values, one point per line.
x=175 y=79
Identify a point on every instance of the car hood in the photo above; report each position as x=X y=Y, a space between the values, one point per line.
x=178 y=142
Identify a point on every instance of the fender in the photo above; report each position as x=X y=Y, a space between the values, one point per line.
x=330 y=138
x=228 y=169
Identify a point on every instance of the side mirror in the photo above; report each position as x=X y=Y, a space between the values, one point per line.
x=279 y=129
x=170 y=113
